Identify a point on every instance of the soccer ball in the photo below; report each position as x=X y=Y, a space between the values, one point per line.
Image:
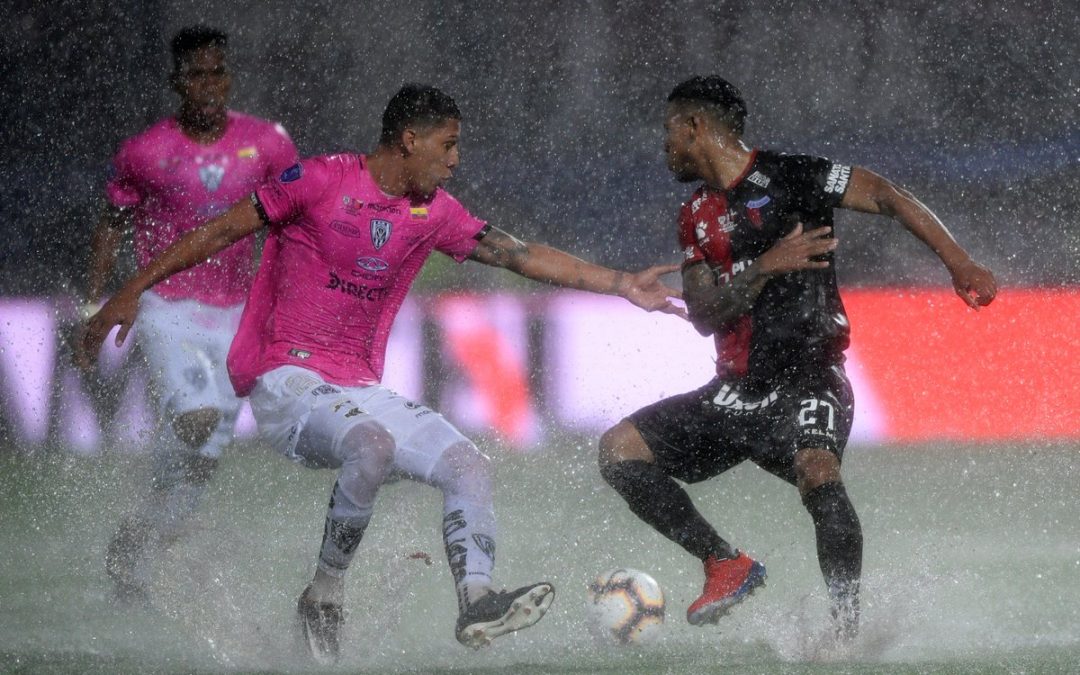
x=625 y=606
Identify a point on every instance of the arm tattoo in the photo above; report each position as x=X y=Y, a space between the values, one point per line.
x=713 y=304
x=499 y=249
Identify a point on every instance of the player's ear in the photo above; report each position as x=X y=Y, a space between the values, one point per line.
x=408 y=141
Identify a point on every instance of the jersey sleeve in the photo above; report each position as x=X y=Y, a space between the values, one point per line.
x=279 y=150
x=688 y=242
x=291 y=192
x=121 y=184
x=823 y=182
x=457 y=238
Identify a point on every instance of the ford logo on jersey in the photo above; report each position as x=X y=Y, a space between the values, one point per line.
x=372 y=264
x=380 y=232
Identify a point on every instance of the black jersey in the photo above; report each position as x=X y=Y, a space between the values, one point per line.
x=798 y=320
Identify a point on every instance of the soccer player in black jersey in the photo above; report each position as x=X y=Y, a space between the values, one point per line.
x=758 y=277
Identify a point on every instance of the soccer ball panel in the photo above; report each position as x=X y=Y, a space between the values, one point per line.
x=625 y=606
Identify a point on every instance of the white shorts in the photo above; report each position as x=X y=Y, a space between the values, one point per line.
x=185 y=344
x=305 y=419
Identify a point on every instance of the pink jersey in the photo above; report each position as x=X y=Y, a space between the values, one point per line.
x=340 y=258
x=175 y=184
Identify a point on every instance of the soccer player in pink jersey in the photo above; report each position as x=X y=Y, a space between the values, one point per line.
x=348 y=234
x=165 y=182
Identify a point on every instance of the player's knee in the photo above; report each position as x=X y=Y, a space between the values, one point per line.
x=373 y=443
x=463 y=464
x=815 y=467
x=195 y=428
x=621 y=443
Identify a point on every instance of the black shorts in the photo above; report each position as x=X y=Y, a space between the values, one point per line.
x=701 y=434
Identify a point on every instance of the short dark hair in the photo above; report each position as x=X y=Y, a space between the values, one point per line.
x=192 y=38
x=716 y=96
x=416 y=105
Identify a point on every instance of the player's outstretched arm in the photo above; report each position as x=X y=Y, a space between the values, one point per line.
x=715 y=304
x=193 y=248
x=870 y=193
x=552 y=266
x=103 y=249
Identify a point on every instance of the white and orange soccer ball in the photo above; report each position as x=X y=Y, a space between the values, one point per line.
x=625 y=606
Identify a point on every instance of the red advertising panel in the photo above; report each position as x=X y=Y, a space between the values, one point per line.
x=942 y=371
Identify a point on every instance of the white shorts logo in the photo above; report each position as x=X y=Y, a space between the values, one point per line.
x=727 y=398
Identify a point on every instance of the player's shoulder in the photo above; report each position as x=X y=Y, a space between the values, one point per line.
x=258 y=125
x=149 y=141
x=695 y=200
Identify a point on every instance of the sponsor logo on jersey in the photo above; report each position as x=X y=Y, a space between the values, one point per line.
x=372 y=264
x=736 y=267
x=292 y=173
x=726 y=222
x=345 y=229
x=700 y=233
x=358 y=291
x=696 y=204
x=380 y=232
x=300 y=353
x=418 y=212
x=383 y=208
x=758 y=178
x=688 y=252
x=838 y=178
x=351 y=205
x=211 y=175
x=753 y=210
x=249 y=152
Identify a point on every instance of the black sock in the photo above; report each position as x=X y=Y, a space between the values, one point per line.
x=657 y=499
x=839 y=541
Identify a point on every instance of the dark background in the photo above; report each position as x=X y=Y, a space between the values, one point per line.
x=972 y=107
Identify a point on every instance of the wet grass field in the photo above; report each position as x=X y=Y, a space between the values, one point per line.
x=972 y=565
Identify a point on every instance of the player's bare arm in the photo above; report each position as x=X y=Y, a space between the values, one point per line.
x=552 y=266
x=714 y=304
x=108 y=234
x=870 y=193
x=195 y=247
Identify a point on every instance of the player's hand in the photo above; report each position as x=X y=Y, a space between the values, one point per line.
x=645 y=290
x=974 y=284
x=120 y=310
x=797 y=250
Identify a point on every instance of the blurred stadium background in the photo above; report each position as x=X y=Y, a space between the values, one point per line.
x=971 y=108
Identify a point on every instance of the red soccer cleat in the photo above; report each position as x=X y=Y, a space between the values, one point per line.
x=727 y=583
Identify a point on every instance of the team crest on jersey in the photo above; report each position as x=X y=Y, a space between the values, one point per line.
x=211 y=175
x=380 y=232
x=753 y=210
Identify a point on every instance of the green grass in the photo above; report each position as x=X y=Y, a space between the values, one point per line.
x=971 y=566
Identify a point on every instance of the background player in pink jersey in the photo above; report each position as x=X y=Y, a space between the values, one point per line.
x=766 y=290
x=164 y=182
x=348 y=233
